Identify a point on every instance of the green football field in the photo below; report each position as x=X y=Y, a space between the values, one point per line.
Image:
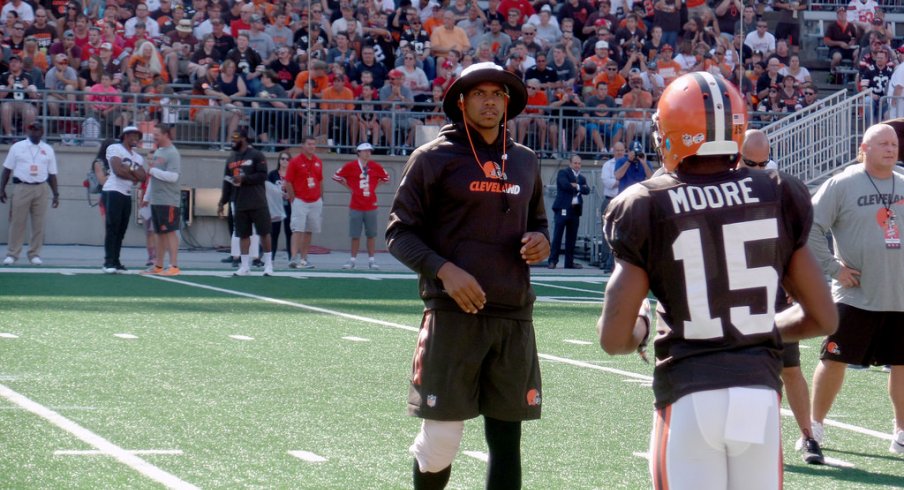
x=300 y=381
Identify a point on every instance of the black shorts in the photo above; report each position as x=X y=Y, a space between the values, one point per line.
x=468 y=365
x=165 y=219
x=866 y=337
x=791 y=355
x=788 y=31
x=259 y=217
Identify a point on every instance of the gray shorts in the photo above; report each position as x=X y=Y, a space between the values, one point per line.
x=359 y=219
x=306 y=216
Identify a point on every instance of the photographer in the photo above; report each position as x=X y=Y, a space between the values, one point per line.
x=632 y=168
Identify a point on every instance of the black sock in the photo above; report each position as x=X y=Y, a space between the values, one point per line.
x=504 y=441
x=431 y=481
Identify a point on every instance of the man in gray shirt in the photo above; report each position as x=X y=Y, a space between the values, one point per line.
x=63 y=79
x=860 y=207
x=164 y=195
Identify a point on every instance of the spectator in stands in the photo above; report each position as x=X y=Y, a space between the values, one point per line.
x=205 y=56
x=178 y=55
x=369 y=63
x=653 y=44
x=597 y=120
x=548 y=32
x=512 y=25
x=728 y=14
x=414 y=78
x=67 y=46
x=398 y=100
x=368 y=119
x=62 y=82
x=841 y=38
x=248 y=63
x=601 y=18
x=142 y=17
x=770 y=106
x=630 y=33
x=810 y=96
x=653 y=81
x=16 y=90
x=878 y=28
x=103 y=101
x=342 y=53
x=90 y=75
x=473 y=24
x=795 y=70
x=66 y=21
x=316 y=76
x=15 y=41
x=41 y=31
x=632 y=59
x=861 y=13
x=222 y=40
x=271 y=120
x=790 y=94
x=23 y=10
x=761 y=39
x=667 y=17
x=38 y=58
x=566 y=73
x=875 y=77
x=241 y=20
x=611 y=77
x=567 y=109
x=337 y=120
x=788 y=26
x=896 y=90
x=877 y=44
x=230 y=83
x=635 y=102
x=543 y=73
x=145 y=64
x=534 y=117
x=260 y=41
x=686 y=58
x=769 y=78
x=278 y=30
x=285 y=67
x=448 y=36
x=211 y=110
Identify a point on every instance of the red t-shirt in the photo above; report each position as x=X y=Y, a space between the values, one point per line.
x=306 y=176
x=364 y=196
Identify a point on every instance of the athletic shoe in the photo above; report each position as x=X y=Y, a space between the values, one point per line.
x=812 y=452
x=886 y=368
x=293 y=263
x=241 y=272
x=149 y=263
x=171 y=271
x=268 y=270
x=304 y=264
x=897 y=444
x=36 y=260
x=154 y=270
x=227 y=260
x=257 y=263
x=373 y=266
x=349 y=265
x=817 y=431
x=108 y=269
x=121 y=269
x=9 y=260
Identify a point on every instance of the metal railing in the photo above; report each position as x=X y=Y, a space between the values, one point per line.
x=814 y=146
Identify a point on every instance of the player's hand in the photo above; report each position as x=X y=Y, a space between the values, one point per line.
x=221 y=213
x=848 y=278
x=2 y=196
x=237 y=179
x=462 y=287
x=536 y=247
x=140 y=174
x=55 y=203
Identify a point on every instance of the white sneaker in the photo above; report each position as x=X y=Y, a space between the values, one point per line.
x=268 y=270
x=799 y=444
x=9 y=260
x=349 y=265
x=36 y=260
x=373 y=266
x=293 y=264
x=304 y=264
x=897 y=444
x=241 y=272
x=108 y=270
x=818 y=431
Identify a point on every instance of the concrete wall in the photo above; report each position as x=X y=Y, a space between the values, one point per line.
x=74 y=222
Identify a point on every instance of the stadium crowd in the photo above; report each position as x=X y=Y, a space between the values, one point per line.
x=375 y=71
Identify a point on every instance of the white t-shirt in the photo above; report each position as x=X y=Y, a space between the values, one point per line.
x=862 y=12
x=29 y=162
x=765 y=44
x=897 y=80
x=130 y=159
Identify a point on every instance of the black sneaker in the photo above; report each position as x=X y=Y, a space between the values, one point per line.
x=812 y=452
x=227 y=260
x=121 y=269
x=257 y=263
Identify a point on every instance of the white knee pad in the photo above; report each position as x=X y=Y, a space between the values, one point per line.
x=437 y=444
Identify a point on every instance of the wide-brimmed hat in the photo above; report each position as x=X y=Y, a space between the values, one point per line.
x=485 y=72
x=184 y=25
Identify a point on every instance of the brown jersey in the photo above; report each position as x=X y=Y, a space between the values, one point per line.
x=715 y=248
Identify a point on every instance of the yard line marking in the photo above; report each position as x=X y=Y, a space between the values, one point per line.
x=577 y=342
x=547 y=357
x=567 y=299
x=8 y=335
x=853 y=428
x=141 y=466
x=840 y=463
x=126 y=336
x=289 y=303
x=241 y=337
x=308 y=456
x=95 y=452
x=639 y=454
x=569 y=288
x=478 y=455
x=355 y=339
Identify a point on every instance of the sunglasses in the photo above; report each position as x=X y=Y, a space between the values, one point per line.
x=751 y=163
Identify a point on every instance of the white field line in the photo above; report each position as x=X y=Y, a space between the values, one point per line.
x=352 y=338
x=126 y=336
x=478 y=455
x=95 y=452
x=570 y=288
x=241 y=337
x=577 y=342
x=548 y=357
x=106 y=447
x=308 y=456
x=4 y=335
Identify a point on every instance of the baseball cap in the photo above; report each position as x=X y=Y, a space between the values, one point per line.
x=106 y=46
x=364 y=147
x=602 y=45
x=130 y=129
x=394 y=73
x=69 y=34
x=666 y=47
x=841 y=8
x=35 y=125
x=546 y=8
x=15 y=57
x=256 y=18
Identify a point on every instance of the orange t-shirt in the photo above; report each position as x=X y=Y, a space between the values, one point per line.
x=319 y=85
x=670 y=70
x=539 y=99
x=646 y=99
x=343 y=94
x=612 y=85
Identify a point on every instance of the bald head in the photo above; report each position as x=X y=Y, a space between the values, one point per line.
x=879 y=150
x=755 y=147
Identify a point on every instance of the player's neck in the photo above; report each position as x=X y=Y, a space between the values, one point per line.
x=879 y=171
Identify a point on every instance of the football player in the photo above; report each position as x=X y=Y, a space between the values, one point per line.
x=712 y=243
